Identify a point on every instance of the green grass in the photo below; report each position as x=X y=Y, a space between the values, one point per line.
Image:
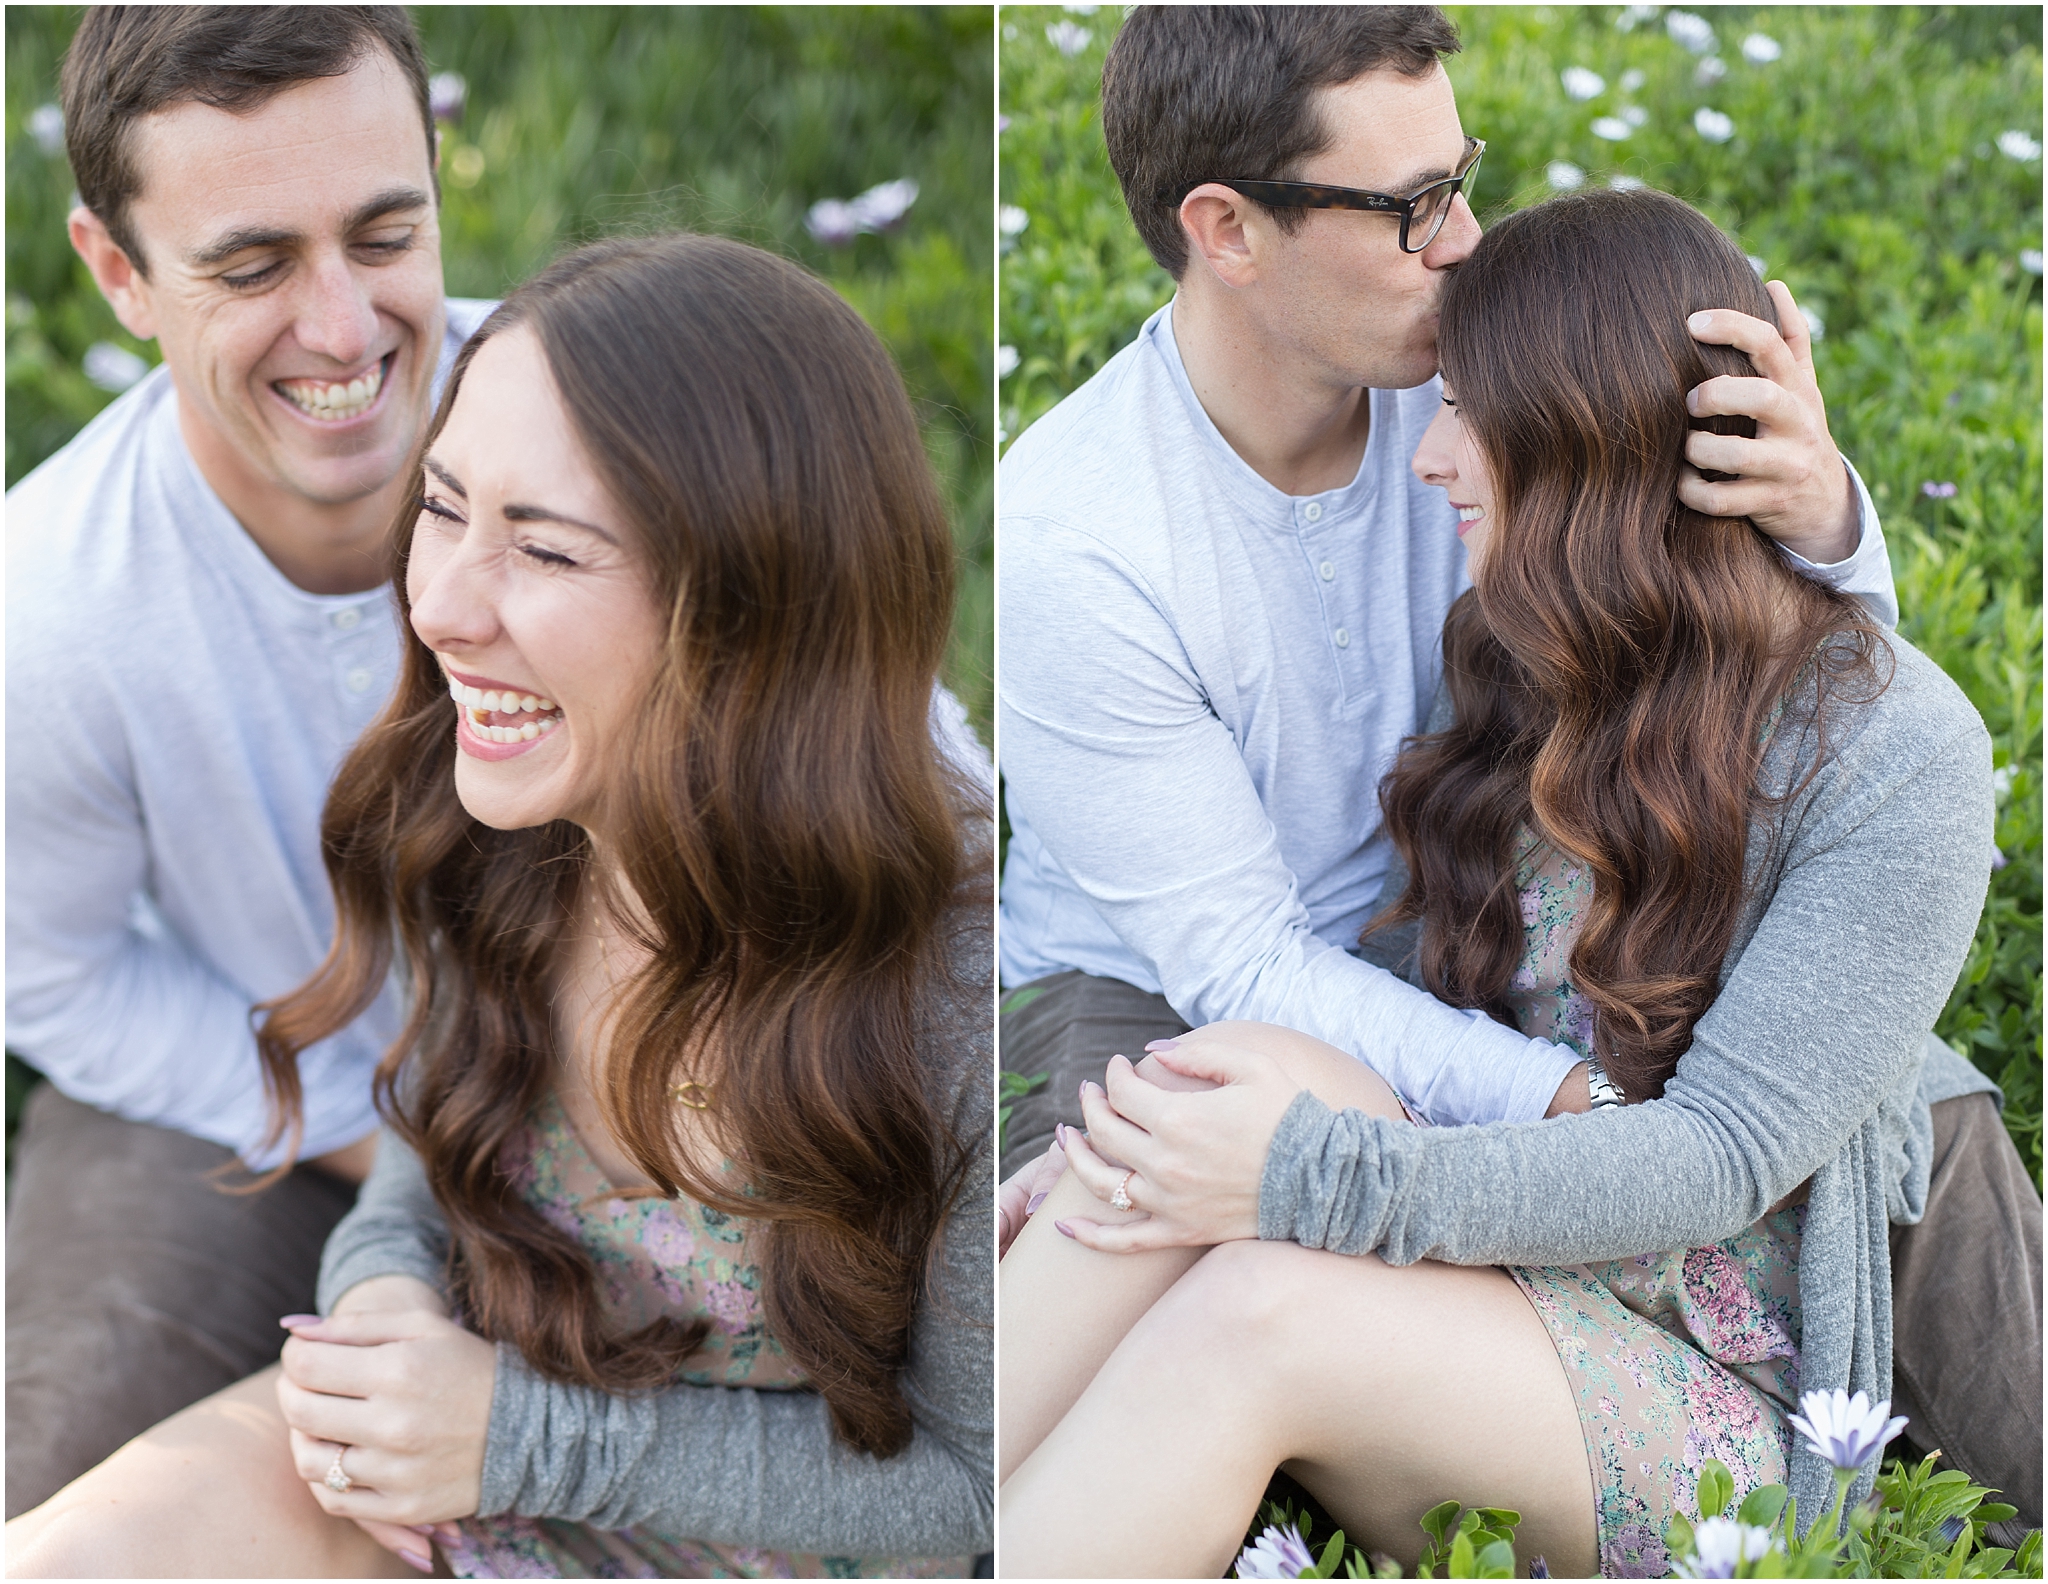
x=583 y=121
x=1865 y=170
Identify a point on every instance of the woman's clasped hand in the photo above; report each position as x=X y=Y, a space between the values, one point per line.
x=1194 y=1155
x=399 y=1399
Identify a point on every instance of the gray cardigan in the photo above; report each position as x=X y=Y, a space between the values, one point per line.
x=733 y=1464
x=1814 y=1061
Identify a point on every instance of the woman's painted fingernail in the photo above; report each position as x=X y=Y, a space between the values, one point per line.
x=1166 y=1044
x=1064 y=1229
x=424 y=1564
x=1698 y=322
x=1085 y=1087
x=1037 y=1199
x=1059 y=1134
x=291 y=1321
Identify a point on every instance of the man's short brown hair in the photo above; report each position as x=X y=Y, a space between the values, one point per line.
x=1208 y=93
x=126 y=62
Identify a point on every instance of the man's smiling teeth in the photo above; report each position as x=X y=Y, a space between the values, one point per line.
x=322 y=400
x=482 y=704
x=1471 y=513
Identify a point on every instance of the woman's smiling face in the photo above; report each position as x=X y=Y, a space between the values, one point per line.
x=1449 y=458
x=525 y=582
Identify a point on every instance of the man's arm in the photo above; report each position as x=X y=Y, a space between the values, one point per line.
x=1113 y=757
x=101 y=995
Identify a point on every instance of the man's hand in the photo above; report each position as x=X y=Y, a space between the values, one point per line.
x=1793 y=483
x=1019 y=1198
x=406 y=1393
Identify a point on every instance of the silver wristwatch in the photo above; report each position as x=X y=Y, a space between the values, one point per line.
x=1604 y=1090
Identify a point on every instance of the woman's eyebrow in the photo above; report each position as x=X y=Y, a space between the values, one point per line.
x=519 y=513
x=446 y=477
x=523 y=513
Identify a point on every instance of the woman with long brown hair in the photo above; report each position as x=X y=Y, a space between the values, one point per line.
x=1684 y=810
x=675 y=1257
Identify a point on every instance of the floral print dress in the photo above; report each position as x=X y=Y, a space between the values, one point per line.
x=654 y=1257
x=1675 y=1357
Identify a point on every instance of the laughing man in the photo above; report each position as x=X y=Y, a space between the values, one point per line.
x=198 y=628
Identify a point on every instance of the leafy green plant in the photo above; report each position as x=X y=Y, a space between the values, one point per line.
x=1916 y=1524
x=1014 y=1087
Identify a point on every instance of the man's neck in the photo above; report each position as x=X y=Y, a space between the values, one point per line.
x=1300 y=436
x=323 y=549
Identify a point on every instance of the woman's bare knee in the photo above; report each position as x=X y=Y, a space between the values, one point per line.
x=210 y=1492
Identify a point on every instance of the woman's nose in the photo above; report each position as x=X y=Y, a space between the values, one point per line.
x=1433 y=464
x=450 y=593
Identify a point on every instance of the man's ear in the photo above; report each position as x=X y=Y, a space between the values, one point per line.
x=1213 y=219
x=119 y=281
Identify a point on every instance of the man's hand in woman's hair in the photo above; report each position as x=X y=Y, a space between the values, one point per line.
x=407 y=1394
x=1792 y=481
x=1195 y=1159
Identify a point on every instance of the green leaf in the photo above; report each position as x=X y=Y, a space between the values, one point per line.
x=1995 y=1512
x=1762 y=1506
x=1333 y=1554
x=1496 y=1561
x=1020 y=999
x=1462 y=1556
x=1438 y=1520
x=2026 y=1561
x=1716 y=1486
x=1678 y=1535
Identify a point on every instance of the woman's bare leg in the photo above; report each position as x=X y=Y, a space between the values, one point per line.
x=1383 y=1389
x=209 y=1493
x=1065 y=1308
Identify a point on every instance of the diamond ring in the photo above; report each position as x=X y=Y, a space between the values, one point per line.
x=337 y=1477
x=1121 y=1200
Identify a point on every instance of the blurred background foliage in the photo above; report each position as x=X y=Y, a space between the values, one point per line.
x=1885 y=162
x=582 y=121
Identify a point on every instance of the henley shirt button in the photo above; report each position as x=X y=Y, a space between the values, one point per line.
x=1313 y=511
x=345 y=619
x=1343 y=637
x=1327 y=570
x=358 y=680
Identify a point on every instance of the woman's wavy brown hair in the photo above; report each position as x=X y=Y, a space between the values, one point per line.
x=788 y=830
x=1615 y=668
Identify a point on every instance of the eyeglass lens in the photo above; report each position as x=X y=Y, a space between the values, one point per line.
x=1433 y=207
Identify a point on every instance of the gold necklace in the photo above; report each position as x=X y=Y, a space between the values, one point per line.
x=697 y=1096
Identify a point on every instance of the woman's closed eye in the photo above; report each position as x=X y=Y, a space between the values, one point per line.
x=433 y=506
x=545 y=556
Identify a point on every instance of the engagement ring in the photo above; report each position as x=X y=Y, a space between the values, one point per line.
x=1119 y=1200
x=337 y=1476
